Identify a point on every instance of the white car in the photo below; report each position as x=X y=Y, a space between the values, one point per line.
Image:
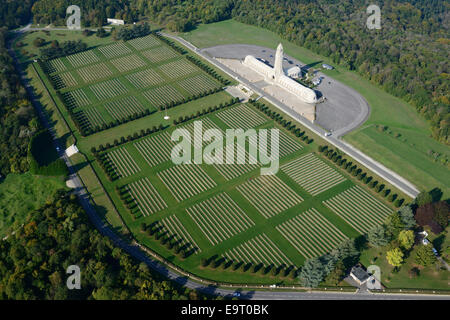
x=327 y=134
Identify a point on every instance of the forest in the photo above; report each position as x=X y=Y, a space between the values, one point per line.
x=408 y=57
x=18 y=120
x=33 y=261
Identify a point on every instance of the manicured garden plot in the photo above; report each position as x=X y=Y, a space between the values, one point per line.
x=159 y=54
x=94 y=117
x=161 y=95
x=123 y=162
x=173 y=226
x=114 y=50
x=269 y=195
x=64 y=80
x=178 y=68
x=144 y=78
x=120 y=109
x=260 y=249
x=219 y=218
x=155 y=149
x=241 y=117
x=236 y=168
x=311 y=234
x=83 y=58
x=185 y=181
x=286 y=145
x=359 y=209
x=55 y=65
x=198 y=84
x=312 y=174
x=128 y=63
x=146 y=196
x=144 y=42
x=76 y=98
x=108 y=89
x=94 y=72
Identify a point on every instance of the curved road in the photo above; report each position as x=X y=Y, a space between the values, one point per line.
x=138 y=253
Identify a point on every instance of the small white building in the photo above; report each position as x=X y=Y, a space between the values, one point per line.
x=327 y=66
x=294 y=72
x=115 y=22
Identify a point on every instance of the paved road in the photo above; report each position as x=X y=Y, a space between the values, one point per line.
x=376 y=167
x=139 y=254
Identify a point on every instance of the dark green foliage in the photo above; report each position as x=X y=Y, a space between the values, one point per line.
x=378 y=237
x=65 y=49
x=43 y=158
x=62 y=235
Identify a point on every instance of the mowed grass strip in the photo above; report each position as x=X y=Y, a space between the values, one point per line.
x=83 y=58
x=94 y=72
x=260 y=249
x=128 y=63
x=147 y=198
x=311 y=234
x=178 y=68
x=219 y=218
x=241 y=117
x=123 y=162
x=160 y=54
x=198 y=84
x=186 y=180
x=175 y=229
x=312 y=174
x=144 y=42
x=269 y=195
x=145 y=78
x=108 y=89
x=359 y=209
x=155 y=149
x=122 y=108
x=161 y=95
x=114 y=50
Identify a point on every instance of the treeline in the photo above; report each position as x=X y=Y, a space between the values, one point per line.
x=362 y=176
x=33 y=262
x=56 y=50
x=15 y=13
x=136 y=31
x=18 y=121
x=408 y=57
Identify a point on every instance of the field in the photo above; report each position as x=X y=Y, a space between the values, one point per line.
x=20 y=194
x=124 y=80
x=409 y=155
x=222 y=210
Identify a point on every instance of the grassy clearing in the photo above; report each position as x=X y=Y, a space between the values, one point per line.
x=21 y=193
x=385 y=109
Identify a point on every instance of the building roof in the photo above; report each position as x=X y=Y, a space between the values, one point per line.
x=359 y=273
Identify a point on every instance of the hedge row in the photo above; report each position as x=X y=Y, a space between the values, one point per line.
x=155 y=230
x=361 y=175
x=232 y=102
x=279 y=118
x=128 y=201
x=170 y=43
x=212 y=72
x=223 y=264
x=129 y=138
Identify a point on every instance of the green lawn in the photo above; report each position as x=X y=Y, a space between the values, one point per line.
x=21 y=193
x=385 y=109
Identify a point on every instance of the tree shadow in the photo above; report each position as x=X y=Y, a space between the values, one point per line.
x=438 y=242
x=310 y=65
